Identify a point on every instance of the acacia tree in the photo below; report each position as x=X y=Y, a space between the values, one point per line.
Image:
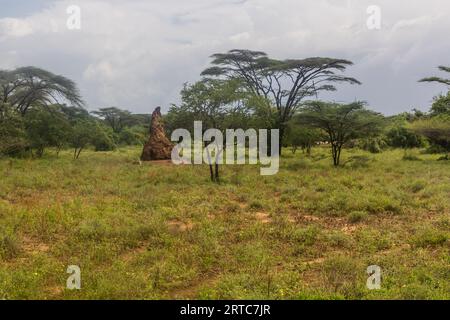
x=217 y=103
x=438 y=79
x=340 y=122
x=283 y=82
x=436 y=126
x=27 y=87
x=114 y=117
x=302 y=137
x=47 y=128
x=441 y=104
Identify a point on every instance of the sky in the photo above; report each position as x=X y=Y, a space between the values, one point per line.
x=137 y=54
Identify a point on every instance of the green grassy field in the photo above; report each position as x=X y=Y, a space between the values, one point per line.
x=158 y=231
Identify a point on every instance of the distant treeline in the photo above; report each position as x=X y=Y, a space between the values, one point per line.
x=243 y=89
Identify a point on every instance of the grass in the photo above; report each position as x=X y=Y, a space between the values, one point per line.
x=157 y=231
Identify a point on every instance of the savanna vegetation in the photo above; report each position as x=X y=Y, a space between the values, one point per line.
x=366 y=189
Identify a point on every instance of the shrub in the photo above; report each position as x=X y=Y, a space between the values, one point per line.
x=418 y=186
x=13 y=140
x=436 y=129
x=103 y=138
x=358 y=162
x=341 y=274
x=428 y=237
x=410 y=156
x=373 y=145
x=401 y=137
x=357 y=216
x=256 y=205
x=9 y=247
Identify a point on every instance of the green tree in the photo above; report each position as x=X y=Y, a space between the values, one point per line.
x=13 y=138
x=302 y=137
x=83 y=133
x=114 y=117
x=30 y=87
x=340 y=122
x=286 y=83
x=436 y=126
x=401 y=137
x=441 y=105
x=103 y=138
x=438 y=79
x=132 y=136
x=217 y=103
x=436 y=129
x=47 y=128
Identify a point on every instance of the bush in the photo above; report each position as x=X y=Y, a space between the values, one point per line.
x=13 y=140
x=373 y=145
x=46 y=128
x=428 y=237
x=358 y=162
x=410 y=156
x=341 y=274
x=357 y=216
x=436 y=129
x=132 y=136
x=103 y=138
x=9 y=247
x=401 y=137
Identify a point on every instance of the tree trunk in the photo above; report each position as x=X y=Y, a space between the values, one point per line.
x=217 y=172
x=211 y=172
x=334 y=154
x=280 y=142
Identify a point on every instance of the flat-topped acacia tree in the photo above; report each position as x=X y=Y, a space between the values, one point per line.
x=285 y=83
x=28 y=87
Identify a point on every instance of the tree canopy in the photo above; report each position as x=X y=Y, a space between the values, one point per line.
x=286 y=83
x=29 y=87
x=438 y=79
x=340 y=122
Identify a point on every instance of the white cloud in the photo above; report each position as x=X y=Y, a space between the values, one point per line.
x=137 y=54
x=12 y=28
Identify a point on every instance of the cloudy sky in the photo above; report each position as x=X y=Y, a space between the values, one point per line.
x=137 y=54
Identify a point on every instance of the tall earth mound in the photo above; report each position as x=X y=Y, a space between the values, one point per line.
x=158 y=146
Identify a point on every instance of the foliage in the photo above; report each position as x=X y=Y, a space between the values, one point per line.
x=438 y=79
x=436 y=129
x=131 y=136
x=340 y=122
x=119 y=119
x=441 y=105
x=285 y=83
x=302 y=137
x=103 y=138
x=402 y=137
x=30 y=87
x=13 y=138
x=47 y=128
x=373 y=144
x=88 y=132
x=218 y=104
